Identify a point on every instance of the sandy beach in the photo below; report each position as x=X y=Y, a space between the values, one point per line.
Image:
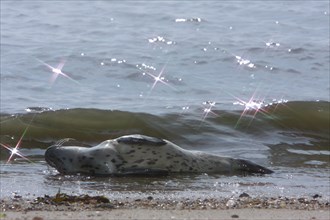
x=63 y=206
x=173 y=214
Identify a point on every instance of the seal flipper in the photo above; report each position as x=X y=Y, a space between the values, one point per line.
x=250 y=167
x=142 y=172
x=141 y=140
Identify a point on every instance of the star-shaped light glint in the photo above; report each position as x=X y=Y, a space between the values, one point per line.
x=158 y=78
x=15 y=150
x=208 y=110
x=252 y=105
x=57 y=71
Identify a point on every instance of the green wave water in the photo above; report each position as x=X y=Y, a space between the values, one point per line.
x=285 y=130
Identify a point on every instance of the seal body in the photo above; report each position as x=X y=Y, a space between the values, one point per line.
x=138 y=154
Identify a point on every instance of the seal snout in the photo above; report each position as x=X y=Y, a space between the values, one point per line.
x=50 y=154
x=52 y=157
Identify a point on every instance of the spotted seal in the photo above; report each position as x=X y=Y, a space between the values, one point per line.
x=139 y=154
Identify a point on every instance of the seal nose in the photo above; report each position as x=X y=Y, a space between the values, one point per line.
x=50 y=155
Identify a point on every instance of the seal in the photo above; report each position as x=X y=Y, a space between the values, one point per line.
x=142 y=155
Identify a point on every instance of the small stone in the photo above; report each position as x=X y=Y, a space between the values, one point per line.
x=150 y=198
x=301 y=200
x=244 y=195
x=180 y=205
x=231 y=203
x=17 y=196
x=104 y=206
x=235 y=216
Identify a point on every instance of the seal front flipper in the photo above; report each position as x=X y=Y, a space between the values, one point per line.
x=141 y=140
x=142 y=172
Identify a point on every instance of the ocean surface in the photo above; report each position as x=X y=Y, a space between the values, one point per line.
x=246 y=79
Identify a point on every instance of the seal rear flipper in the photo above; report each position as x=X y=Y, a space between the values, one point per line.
x=246 y=166
x=142 y=172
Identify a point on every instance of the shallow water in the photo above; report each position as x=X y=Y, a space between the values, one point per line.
x=242 y=79
x=35 y=180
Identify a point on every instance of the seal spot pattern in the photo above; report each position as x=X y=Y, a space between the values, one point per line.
x=138 y=154
x=142 y=140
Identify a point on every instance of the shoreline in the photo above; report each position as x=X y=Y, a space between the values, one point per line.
x=63 y=206
x=251 y=214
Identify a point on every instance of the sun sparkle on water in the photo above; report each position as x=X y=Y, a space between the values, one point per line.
x=57 y=71
x=157 y=78
x=208 y=110
x=15 y=150
x=256 y=105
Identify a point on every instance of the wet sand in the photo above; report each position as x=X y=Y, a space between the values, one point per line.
x=62 y=206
